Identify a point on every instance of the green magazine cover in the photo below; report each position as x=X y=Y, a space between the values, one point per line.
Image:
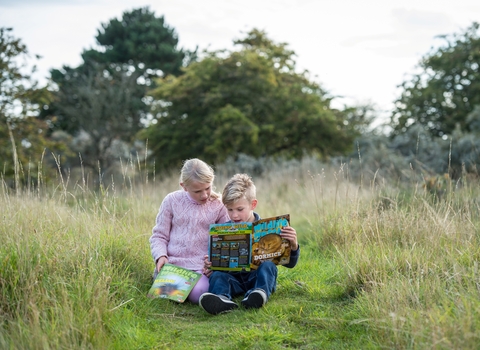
x=173 y=282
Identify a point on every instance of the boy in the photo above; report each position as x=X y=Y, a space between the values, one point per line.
x=239 y=197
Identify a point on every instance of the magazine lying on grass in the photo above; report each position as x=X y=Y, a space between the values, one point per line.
x=243 y=246
x=173 y=282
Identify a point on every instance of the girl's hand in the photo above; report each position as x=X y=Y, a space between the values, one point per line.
x=206 y=266
x=289 y=233
x=161 y=261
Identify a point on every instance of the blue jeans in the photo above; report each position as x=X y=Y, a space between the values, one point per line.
x=231 y=284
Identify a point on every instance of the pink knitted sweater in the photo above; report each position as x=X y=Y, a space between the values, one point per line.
x=182 y=229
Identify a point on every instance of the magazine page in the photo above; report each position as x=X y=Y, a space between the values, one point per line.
x=230 y=246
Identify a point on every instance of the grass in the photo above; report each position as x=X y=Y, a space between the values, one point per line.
x=381 y=267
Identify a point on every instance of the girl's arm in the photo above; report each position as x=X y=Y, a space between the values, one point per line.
x=160 y=262
x=161 y=234
x=222 y=215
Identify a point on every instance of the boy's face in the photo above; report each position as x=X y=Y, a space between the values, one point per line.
x=199 y=191
x=242 y=210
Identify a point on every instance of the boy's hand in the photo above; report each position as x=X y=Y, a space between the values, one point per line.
x=289 y=233
x=161 y=261
x=206 y=266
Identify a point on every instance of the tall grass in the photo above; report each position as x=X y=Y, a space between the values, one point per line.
x=382 y=266
x=410 y=258
x=70 y=256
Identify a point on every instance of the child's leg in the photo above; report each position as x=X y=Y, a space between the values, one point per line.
x=200 y=288
x=227 y=284
x=265 y=278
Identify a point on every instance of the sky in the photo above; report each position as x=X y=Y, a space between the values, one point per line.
x=359 y=51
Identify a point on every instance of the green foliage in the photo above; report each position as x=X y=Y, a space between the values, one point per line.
x=250 y=101
x=12 y=81
x=105 y=105
x=140 y=39
x=101 y=104
x=447 y=89
x=23 y=139
x=415 y=155
x=24 y=151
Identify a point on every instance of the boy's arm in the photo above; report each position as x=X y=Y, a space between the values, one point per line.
x=294 y=255
x=290 y=233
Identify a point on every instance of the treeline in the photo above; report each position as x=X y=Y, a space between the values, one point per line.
x=141 y=97
x=435 y=125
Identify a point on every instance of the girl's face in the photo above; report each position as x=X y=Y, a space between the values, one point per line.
x=199 y=191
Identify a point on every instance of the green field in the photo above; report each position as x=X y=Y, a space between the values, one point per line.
x=383 y=266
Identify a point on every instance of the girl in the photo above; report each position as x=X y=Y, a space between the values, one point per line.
x=180 y=235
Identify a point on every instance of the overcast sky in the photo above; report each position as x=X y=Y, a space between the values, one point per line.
x=360 y=50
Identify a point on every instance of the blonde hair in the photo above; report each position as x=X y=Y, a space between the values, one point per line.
x=197 y=170
x=239 y=186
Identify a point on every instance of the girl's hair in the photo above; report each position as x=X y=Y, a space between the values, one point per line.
x=199 y=171
x=238 y=187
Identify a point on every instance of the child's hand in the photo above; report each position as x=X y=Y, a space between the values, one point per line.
x=161 y=261
x=289 y=233
x=206 y=266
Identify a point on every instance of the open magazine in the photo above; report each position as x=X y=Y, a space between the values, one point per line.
x=173 y=282
x=244 y=246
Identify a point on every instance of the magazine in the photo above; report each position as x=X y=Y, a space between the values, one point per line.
x=243 y=246
x=173 y=282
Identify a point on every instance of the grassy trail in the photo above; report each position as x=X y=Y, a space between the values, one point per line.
x=309 y=310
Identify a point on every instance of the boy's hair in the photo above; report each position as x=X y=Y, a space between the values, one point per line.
x=197 y=170
x=238 y=187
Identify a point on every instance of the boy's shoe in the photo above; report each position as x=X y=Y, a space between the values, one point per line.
x=216 y=304
x=256 y=299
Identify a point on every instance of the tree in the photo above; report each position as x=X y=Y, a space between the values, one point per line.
x=250 y=101
x=103 y=106
x=142 y=40
x=15 y=83
x=22 y=135
x=139 y=42
x=447 y=89
x=102 y=101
